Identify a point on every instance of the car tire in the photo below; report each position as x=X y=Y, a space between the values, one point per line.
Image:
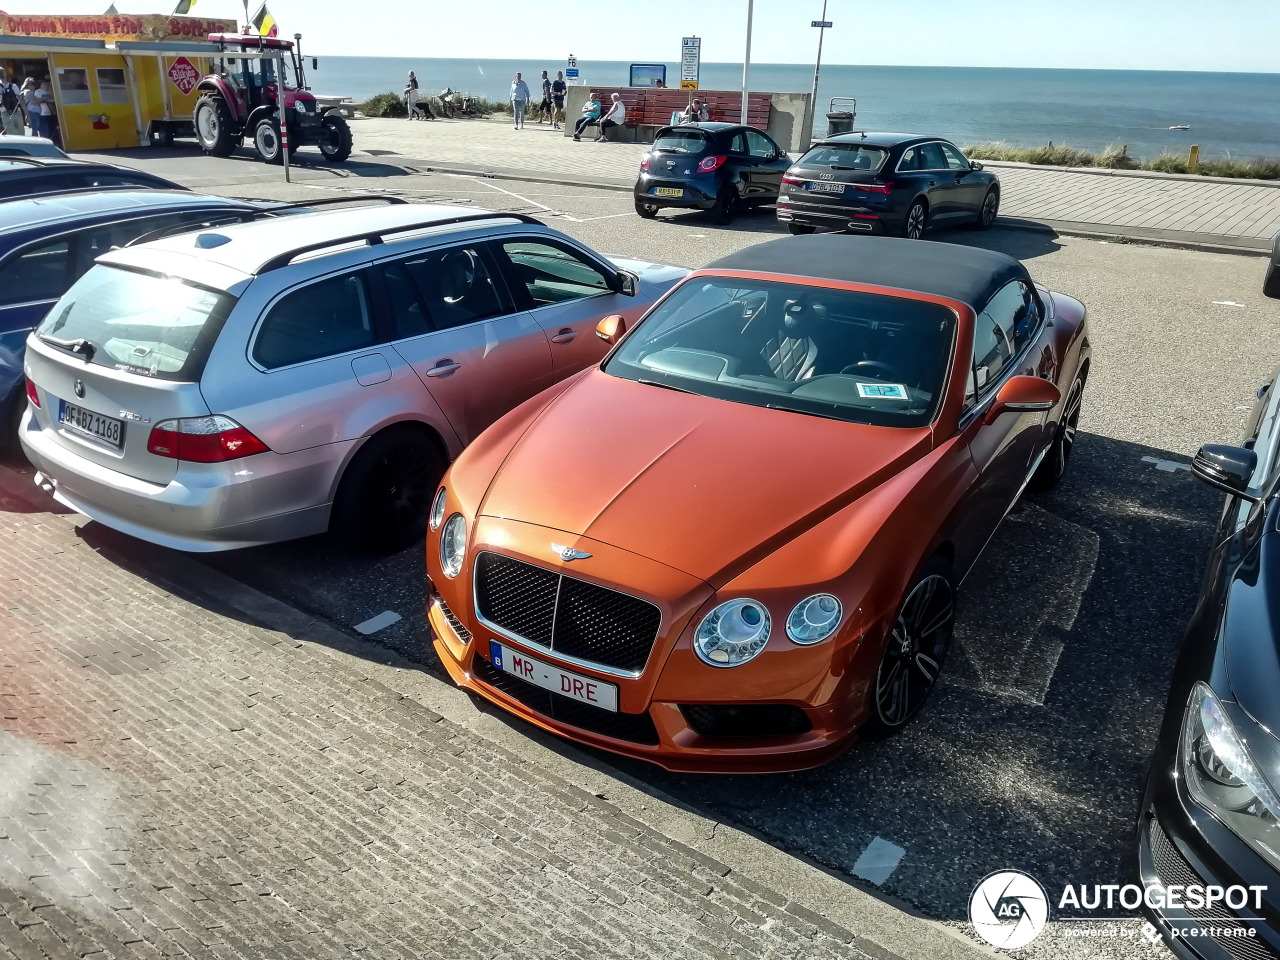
x=646 y=210
x=1054 y=465
x=266 y=141
x=800 y=229
x=914 y=650
x=384 y=499
x=336 y=143
x=212 y=121
x=989 y=210
x=916 y=222
x=725 y=206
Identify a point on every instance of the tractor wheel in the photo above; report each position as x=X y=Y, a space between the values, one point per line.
x=335 y=141
x=266 y=140
x=213 y=126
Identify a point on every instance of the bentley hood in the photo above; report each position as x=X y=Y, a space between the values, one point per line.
x=703 y=485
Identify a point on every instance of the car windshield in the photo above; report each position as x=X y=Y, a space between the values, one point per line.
x=851 y=156
x=861 y=357
x=680 y=141
x=143 y=323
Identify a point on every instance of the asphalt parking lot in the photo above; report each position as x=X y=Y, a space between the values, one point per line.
x=1032 y=752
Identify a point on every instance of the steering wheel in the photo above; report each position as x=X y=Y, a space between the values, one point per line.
x=459 y=267
x=867 y=366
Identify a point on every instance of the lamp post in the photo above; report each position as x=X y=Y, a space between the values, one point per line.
x=817 y=66
x=746 y=62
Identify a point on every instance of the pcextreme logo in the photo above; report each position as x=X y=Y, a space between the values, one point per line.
x=1008 y=909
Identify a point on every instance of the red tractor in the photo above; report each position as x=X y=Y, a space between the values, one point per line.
x=239 y=99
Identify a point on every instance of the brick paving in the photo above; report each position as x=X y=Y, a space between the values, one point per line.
x=176 y=781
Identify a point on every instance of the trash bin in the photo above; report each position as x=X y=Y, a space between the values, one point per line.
x=839 y=122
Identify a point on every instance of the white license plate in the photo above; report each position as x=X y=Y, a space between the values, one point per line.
x=668 y=192
x=107 y=429
x=827 y=187
x=573 y=685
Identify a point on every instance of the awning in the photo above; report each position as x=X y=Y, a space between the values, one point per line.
x=164 y=48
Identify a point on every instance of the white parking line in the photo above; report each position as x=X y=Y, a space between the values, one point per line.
x=878 y=861
x=535 y=203
x=385 y=619
x=1168 y=466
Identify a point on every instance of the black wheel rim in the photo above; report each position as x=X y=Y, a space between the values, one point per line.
x=332 y=142
x=915 y=222
x=915 y=650
x=989 y=207
x=1065 y=439
x=397 y=494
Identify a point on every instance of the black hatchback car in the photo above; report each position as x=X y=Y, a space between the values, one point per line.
x=29 y=176
x=717 y=167
x=886 y=183
x=1209 y=828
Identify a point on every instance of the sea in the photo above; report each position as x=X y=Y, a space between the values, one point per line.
x=1233 y=115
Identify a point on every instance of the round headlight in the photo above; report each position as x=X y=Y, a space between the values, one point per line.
x=814 y=618
x=732 y=633
x=453 y=546
x=437 y=510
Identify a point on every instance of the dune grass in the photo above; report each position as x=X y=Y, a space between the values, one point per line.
x=1115 y=157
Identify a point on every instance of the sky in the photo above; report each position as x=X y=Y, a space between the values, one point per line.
x=1230 y=35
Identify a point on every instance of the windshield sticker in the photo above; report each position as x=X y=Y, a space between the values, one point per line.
x=883 y=391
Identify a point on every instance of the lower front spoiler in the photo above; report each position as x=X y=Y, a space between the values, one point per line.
x=673 y=751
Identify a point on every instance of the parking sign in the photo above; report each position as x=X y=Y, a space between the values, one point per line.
x=690 y=62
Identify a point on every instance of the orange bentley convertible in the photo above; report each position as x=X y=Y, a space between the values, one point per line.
x=734 y=545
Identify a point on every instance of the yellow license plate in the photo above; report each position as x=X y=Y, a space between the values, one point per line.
x=668 y=192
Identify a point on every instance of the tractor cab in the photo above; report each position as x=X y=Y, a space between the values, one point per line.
x=252 y=77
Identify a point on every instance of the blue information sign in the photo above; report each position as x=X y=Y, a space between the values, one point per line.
x=571 y=72
x=820 y=23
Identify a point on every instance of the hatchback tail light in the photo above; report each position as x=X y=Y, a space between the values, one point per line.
x=644 y=162
x=31 y=392
x=711 y=163
x=203 y=440
x=875 y=187
x=792 y=178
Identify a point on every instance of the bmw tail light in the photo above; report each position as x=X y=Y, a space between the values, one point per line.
x=711 y=163
x=791 y=179
x=31 y=392
x=885 y=188
x=203 y=440
x=644 y=162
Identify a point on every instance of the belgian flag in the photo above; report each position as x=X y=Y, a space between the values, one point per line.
x=265 y=23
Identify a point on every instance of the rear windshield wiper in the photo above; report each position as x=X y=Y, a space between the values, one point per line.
x=82 y=347
x=665 y=386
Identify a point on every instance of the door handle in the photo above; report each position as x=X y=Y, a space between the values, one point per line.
x=933 y=183
x=443 y=368
x=564 y=336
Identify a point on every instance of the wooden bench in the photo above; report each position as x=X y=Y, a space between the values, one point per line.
x=650 y=108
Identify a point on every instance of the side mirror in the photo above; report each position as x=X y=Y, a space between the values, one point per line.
x=974 y=165
x=611 y=328
x=1024 y=395
x=626 y=283
x=1226 y=468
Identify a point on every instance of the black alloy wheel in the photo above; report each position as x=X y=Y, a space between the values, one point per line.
x=385 y=496
x=916 y=222
x=646 y=210
x=914 y=651
x=989 y=210
x=800 y=229
x=1054 y=465
x=726 y=206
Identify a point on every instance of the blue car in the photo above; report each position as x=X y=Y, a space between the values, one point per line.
x=46 y=243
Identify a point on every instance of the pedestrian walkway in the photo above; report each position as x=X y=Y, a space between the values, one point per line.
x=1168 y=207
x=180 y=781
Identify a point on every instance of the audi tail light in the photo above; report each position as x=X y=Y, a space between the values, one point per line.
x=792 y=179
x=709 y=164
x=31 y=392
x=885 y=188
x=213 y=439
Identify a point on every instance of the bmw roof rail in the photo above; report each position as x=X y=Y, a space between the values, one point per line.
x=218 y=218
x=374 y=237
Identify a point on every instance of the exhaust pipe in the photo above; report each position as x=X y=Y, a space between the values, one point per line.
x=860 y=225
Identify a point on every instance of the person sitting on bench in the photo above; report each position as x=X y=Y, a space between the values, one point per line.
x=590 y=115
x=616 y=116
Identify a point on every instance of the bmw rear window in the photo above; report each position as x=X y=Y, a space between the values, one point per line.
x=142 y=323
x=846 y=156
x=681 y=141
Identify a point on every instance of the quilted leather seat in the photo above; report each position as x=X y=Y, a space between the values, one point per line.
x=791 y=352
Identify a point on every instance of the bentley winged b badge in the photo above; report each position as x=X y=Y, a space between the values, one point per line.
x=568 y=553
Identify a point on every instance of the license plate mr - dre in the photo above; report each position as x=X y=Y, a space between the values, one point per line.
x=668 y=191
x=107 y=429
x=820 y=187
x=572 y=685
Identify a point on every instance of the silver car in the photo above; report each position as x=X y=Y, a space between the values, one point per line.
x=263 y=381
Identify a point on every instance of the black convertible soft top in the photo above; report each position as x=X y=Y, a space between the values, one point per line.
x=949 y=270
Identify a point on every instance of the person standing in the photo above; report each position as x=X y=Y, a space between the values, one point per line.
x=12 y=112
x=32 y=105
x=520 y=98
x=48 y=117
x=616 y=116
x=411 y=97
x=544 y=108
x=590 y=114
x=558 y=91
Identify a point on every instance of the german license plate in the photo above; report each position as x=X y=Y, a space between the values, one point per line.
x=668 y=192
x=572 y=685
x=107 y=429
x=820 y=187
